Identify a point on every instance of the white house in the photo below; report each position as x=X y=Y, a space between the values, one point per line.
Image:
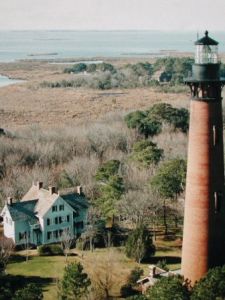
x=43 y=215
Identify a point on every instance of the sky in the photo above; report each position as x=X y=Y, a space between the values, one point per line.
x=112 y=14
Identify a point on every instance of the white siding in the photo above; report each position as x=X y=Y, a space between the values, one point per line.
x=60 y=217
x=9 y=226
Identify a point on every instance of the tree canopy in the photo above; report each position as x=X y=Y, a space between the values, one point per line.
x=164 y=112
x=149 y=122
x=146 y=153
x=108 y=169
x=169 y=180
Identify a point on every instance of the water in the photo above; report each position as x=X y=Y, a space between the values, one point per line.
x=16 y=45
x=7 y=81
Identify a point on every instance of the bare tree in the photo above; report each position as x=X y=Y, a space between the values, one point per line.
x=26 y=244
x=67 y=240
x=104 y=273
x=6 y=248
x=140 y=206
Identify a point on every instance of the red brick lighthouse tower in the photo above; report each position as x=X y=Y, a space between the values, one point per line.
x=204 y=220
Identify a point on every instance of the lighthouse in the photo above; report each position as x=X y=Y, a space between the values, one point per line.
x=204 y=218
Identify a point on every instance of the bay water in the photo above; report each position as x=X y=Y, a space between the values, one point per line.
x=15 y=45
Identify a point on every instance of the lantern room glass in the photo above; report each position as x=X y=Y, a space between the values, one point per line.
x=206 y=54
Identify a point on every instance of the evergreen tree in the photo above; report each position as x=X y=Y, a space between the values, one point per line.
x=110 y=188
x=139 y=244
x=169 y=182
x=74 y=284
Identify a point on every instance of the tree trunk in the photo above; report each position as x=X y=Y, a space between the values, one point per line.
x=165 y=218
x=109 y=238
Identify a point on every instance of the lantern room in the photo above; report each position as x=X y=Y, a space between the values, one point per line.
x=206 y=50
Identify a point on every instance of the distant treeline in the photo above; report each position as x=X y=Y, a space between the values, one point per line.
x=106 y=76
x=171 y=70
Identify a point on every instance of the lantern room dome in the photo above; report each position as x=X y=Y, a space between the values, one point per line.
x=206 y=40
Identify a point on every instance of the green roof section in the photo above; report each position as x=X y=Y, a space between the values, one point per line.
x=75 y=200
x=23 y=211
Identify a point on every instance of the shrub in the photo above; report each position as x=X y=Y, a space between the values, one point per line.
x=169 y=288
x=30 y=292
x=49 y=250
x=135 y=275
x=211 y=286
x=162 y=265
x=77 y=68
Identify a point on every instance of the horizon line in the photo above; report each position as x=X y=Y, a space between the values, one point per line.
x=107 y=30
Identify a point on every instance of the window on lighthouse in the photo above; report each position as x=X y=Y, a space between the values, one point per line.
x=206 y=54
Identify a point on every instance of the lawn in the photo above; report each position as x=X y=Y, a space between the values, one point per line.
x=46 y=270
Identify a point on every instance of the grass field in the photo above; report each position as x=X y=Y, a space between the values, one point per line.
x=46 y=270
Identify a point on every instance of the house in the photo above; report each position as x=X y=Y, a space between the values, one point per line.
x=155 y=273
x=43 y=215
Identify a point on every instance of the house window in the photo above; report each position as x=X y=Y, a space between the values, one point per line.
x=61 y=207
x=20 y=236
x=60 y=220
x=49 y=235
x=60 y=232
x=56 y=220
x=56 y=234
x=48 y=222
x=68 y=218
x=54 y=208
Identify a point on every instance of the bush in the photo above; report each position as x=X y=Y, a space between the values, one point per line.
x=162 y=265
x=49 y=250
x=77 y=68
x=30 y=292
x=169 y=288
x=135 y=275
x=211 y=286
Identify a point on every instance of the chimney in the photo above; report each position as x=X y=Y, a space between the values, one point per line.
x=39 y=185
x=79 y=190
x=9 y=200
x=52 y=190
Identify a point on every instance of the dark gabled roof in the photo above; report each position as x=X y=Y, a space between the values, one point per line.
x=23 y=211
x=206 y=40
x=75 y=200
